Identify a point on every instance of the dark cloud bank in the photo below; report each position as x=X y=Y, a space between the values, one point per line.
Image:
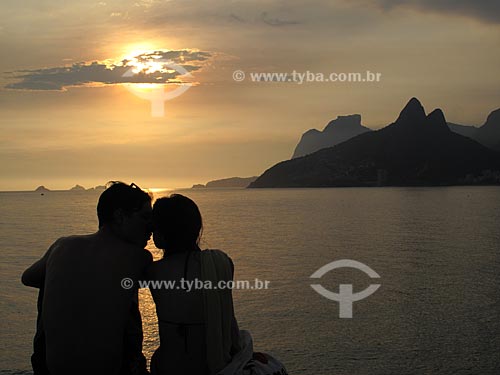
x=80 y=74
x=484 y=10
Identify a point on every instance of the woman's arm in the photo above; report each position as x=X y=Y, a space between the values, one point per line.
x=235 y=336
x=235 y=330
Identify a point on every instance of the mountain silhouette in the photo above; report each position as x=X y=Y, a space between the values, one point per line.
x=231 y=182
x=465 y=130
x=416 y=150
x=336 y=131
x=488 y=134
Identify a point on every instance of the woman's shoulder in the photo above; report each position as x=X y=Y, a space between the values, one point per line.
x=218 y=257
x=216 y=254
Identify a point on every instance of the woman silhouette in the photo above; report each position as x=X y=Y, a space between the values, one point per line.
x=198 y=330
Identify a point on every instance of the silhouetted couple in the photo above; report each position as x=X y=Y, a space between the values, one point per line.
x=89 y=320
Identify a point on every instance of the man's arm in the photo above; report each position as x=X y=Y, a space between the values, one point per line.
x=34 y=276
x=147 y=261
x=134 y=362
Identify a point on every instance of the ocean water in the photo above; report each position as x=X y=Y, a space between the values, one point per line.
x=437 y=251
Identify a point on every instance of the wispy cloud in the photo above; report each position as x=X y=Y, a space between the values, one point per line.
x=276 y=21
x=163 y=66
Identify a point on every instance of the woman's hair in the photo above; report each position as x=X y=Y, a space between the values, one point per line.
x=120 y=196
x=178 y=219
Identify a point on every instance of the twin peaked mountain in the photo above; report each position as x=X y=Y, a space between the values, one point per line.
x=416 y=150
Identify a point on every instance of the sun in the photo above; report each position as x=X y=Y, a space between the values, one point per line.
x=153 y=72
x=150 y=62
x=144 y=61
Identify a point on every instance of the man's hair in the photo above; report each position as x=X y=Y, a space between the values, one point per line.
x=120 y=196
x=179 y=220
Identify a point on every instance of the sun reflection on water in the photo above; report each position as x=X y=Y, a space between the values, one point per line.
x=148 y=312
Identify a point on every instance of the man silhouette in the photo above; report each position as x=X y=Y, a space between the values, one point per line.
x=89 y=320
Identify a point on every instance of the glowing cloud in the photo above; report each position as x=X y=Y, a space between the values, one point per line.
x=148 y=68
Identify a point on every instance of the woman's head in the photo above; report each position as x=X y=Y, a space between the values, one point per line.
x=177 y=222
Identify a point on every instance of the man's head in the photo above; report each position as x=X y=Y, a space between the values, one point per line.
x=126 y=211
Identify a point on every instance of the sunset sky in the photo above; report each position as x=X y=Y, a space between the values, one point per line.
x=68 y=115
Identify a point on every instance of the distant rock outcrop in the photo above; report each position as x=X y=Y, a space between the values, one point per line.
x=415 y=150
x=41 y=189
x=97 y=188
x=337 y=131
x=77 y=188
x=232 y=182
x=488 y=134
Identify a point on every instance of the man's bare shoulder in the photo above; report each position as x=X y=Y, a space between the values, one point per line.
x=138 y=254
x=73 y=241
x=67 y=245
